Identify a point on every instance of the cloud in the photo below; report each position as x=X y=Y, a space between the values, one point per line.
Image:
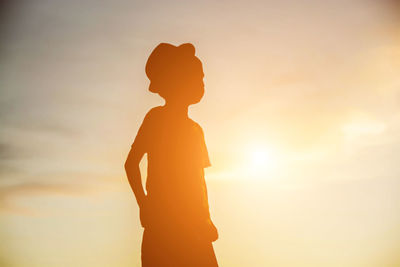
x=6 y=151
x=8 y=194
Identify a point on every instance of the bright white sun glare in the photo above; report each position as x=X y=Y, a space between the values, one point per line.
x=256 y=160
x=260 y=159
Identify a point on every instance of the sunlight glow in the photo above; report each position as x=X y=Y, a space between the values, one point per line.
x=260 y=159
x=359 y=128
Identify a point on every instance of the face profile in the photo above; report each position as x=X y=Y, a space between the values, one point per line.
x=175 y=73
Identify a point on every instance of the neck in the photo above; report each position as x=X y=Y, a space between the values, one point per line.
x=178 y=110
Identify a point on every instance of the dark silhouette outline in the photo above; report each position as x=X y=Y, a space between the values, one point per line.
x=178 y=230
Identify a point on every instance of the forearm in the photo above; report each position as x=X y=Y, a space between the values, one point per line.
x=135 y=181
x=205 y=195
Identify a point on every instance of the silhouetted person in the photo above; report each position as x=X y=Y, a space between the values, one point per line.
x=178 y=230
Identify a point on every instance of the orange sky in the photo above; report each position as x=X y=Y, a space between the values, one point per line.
x=301 y=119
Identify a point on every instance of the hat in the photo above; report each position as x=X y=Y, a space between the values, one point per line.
x=167 y=64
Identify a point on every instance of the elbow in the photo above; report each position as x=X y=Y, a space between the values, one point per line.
x=132 y=161
x=128 y=164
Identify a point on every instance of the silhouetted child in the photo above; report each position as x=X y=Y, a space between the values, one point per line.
x=175 y=213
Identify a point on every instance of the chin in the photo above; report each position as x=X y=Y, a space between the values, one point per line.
x=195 y=102
x=195 y=98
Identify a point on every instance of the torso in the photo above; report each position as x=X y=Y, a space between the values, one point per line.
x=174 y=183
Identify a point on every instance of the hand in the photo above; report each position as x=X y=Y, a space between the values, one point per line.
x=209 y=231
x=213 y=231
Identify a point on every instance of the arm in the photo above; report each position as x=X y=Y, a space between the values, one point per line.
x=212 y=232
x=134 y=176
x=203 y=184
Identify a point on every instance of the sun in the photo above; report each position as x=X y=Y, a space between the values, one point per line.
x=257 y=160
x=260 y=159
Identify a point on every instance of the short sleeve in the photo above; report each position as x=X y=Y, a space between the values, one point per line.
x=205 y=160
x=143 y=137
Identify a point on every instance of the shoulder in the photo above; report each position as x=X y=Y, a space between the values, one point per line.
x=153 y=113
x=196 y=126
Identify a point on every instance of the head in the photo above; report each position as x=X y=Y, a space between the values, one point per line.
x=175 y=73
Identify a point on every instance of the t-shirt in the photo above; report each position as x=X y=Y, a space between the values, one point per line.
x=176 y=153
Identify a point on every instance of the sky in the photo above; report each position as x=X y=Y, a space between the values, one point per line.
x=301 y=116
